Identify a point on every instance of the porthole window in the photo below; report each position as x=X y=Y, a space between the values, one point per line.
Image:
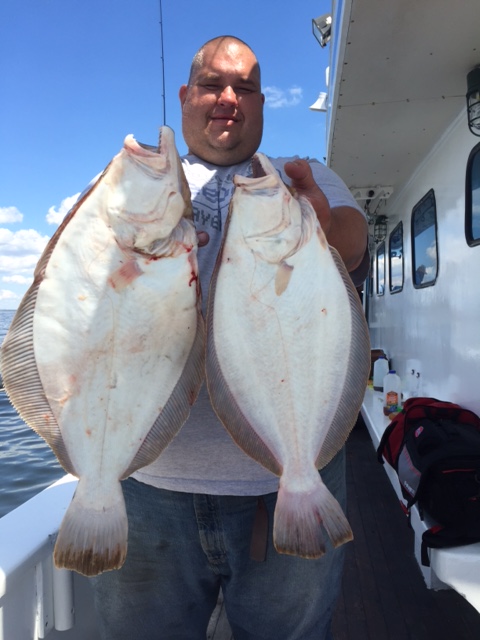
x=472 y=198
x=395 y=256
x=424 y=242
x=381 y=269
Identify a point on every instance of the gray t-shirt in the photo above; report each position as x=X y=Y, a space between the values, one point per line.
x=203 y=458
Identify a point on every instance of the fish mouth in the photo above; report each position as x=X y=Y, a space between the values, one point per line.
x=137 y=148
x=153 y=161
x=258 y=170
x=263 y=176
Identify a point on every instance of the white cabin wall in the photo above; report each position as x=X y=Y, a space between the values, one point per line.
x=437 y=326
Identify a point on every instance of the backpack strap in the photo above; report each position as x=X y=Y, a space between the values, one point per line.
x=390 y=442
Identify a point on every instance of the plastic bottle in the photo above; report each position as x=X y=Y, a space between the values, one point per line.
x=380 y=370
x=392 y=393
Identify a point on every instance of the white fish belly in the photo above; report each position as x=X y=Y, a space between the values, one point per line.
x=109 y=358
x=283 y=355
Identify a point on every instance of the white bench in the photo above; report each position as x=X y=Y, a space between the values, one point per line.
x=457 y=568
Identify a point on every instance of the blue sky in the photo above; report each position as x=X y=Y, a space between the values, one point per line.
x=77 y=76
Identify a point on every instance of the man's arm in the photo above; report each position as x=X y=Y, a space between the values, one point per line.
x=345 y=228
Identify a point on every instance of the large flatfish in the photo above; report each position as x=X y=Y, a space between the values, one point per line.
x=105 y=355
x=288 y=352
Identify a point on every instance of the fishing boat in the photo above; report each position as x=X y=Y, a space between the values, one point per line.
x=403 y=127
x=400 y=135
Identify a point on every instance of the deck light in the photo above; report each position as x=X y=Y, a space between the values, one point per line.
x=473 y=100
x=322 y=28
x=380 y=229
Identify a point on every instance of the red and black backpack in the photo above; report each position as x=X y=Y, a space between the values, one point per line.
x=434 y=447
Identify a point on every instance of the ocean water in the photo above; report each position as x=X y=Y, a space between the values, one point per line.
x=27 y=464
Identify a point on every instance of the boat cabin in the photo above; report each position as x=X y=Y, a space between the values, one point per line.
x=400 y=135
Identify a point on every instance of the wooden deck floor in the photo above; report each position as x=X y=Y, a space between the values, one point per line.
x=383 y=594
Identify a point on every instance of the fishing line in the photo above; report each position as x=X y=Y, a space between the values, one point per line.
x=163 y=63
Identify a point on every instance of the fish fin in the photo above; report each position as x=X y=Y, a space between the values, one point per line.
x=356 y=373
x=93 y=538
x=298 y=520
x=284 y=273
x=22 y=379
x=177 y=408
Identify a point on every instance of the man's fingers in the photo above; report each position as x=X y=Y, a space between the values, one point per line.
x=300 y=174
x=203 y=238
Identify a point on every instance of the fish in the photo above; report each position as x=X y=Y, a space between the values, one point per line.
x=105 y=355
x=288 y=353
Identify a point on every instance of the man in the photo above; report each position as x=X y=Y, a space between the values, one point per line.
x=192 y=512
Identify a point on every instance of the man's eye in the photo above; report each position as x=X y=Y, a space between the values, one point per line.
x=211 y=87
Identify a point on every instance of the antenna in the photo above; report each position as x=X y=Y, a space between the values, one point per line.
x=163 y=64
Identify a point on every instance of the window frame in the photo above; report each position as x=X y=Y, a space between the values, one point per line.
x=430 y=195
x=398 y=228
x=380 y=246
x=474 y=154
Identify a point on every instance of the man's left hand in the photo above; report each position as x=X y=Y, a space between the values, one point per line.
x=300 y=173
x=345 y=228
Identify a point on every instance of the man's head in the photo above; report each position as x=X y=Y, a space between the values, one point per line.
x=222 y=105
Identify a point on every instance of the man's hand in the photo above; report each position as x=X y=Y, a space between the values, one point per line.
x=300 y=174
x=345 y=228
x=203 y=238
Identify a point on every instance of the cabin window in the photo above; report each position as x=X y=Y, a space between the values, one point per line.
x=395 y=255
x=369 y=282
x=472 y=198
x=368 y=293
x=424 y=242
x=381 y=269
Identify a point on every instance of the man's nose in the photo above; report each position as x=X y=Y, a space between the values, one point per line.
x=227 y=96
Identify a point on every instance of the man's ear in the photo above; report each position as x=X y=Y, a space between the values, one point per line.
x=182 y=93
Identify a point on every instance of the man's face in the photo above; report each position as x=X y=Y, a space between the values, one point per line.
x=222 y=107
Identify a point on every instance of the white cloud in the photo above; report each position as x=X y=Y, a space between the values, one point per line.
x=55 y=216
x=21 y=243
x=19 y=254
x=5 y=294
x=276 y=98
x=17 y=279
x=10 y=214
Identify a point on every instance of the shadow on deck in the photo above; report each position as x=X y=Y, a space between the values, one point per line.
x=383 y=593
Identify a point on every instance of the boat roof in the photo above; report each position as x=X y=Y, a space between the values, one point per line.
x=397 y=81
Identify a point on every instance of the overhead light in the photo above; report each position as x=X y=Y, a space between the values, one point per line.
x=380 y=229
x=321 y=102
x=322 y=28
x=473 y=100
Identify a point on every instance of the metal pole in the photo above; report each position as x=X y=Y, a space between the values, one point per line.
x=163 y=64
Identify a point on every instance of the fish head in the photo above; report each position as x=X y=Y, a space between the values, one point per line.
x=147 y=193
x=269 y=213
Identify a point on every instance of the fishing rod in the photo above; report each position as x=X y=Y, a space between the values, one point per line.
x=163 y=63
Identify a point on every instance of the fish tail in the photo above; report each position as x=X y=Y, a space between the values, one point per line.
x=92 y=538
x=298 y=521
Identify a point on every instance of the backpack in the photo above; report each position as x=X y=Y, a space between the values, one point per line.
x=434 y=446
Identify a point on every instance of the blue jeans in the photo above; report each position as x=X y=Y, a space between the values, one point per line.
x=183 y=548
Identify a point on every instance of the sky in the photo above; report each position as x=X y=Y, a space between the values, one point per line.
x=77 y=76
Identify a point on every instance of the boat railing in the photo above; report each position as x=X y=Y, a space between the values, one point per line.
x=38 y=600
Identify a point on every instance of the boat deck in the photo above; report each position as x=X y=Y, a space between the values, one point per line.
x=384 y=596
